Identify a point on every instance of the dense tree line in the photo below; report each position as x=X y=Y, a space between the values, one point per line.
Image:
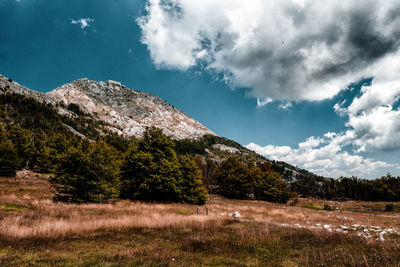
x=386 y=188
x=88 y=171
x=235 y=179
x=99 y=165
x=299 y=181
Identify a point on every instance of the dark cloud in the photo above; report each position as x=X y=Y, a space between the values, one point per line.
x=365 y=36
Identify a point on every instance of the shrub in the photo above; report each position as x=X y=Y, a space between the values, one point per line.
x=76 y=109
x=294 y=202
x=389 y=207
x=327 y=207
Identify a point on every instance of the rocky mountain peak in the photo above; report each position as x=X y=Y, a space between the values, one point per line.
x=125 y=111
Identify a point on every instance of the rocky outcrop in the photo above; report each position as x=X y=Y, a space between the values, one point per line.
x=125 y=111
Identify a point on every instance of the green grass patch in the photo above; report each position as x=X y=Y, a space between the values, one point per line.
x=233 y=244
x=9 y=207
x=184 y=212
x=3 y=252
x=312 y=206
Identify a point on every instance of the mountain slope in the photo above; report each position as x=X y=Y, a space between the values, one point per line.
x=92 y=109
x=124 y=111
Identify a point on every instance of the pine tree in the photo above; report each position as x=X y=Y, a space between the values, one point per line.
x=151 y=169
x=156 y=143
x=234 y=179
x=105 y=172
x=88 y=175
x=152 y=172
x=71 y=180
x=192 y=189
x=237 y=180
x=9 y=160
x=41 y=154
x=269 y=186
x=21 y=139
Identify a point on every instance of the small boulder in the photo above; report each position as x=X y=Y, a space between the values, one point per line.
x=237 y=215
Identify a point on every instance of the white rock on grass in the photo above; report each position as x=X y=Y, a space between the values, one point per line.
x=328 y=228
x=381 y=238
x=237 y=215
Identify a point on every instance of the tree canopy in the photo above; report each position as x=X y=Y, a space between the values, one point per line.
x=152 y=171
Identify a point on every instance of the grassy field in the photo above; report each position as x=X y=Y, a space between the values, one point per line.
x=34 y=230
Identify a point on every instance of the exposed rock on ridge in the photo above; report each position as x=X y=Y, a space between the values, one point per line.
x=127 y=112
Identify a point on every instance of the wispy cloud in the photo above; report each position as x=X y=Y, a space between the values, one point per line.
x=83 y=22
x=263 y=102
x=286 y=106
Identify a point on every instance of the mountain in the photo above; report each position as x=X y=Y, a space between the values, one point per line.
x=124 y=111
x=37 y=128
x=93 y=110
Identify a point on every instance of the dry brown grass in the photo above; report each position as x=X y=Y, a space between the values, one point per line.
x=47 y=219
x=36 y=215
x=267 y=232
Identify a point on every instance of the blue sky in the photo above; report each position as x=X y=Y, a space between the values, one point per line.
x=226 y=66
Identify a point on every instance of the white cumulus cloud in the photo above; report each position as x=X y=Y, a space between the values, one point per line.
x=324 y=157
x=281 y=50
x=374 y=116
x=290 y=51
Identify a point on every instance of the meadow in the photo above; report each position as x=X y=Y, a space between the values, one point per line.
x=36 y=231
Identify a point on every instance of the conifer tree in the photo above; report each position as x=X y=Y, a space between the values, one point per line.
x=21 y=139
x=9 y=160
x=41 y=153
x=151 y=169
x=105 y=167
x=269 y=186
x=192 y=189
x=152 y=172
x=234 y=179
x=237 y=180
x=88 y=175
